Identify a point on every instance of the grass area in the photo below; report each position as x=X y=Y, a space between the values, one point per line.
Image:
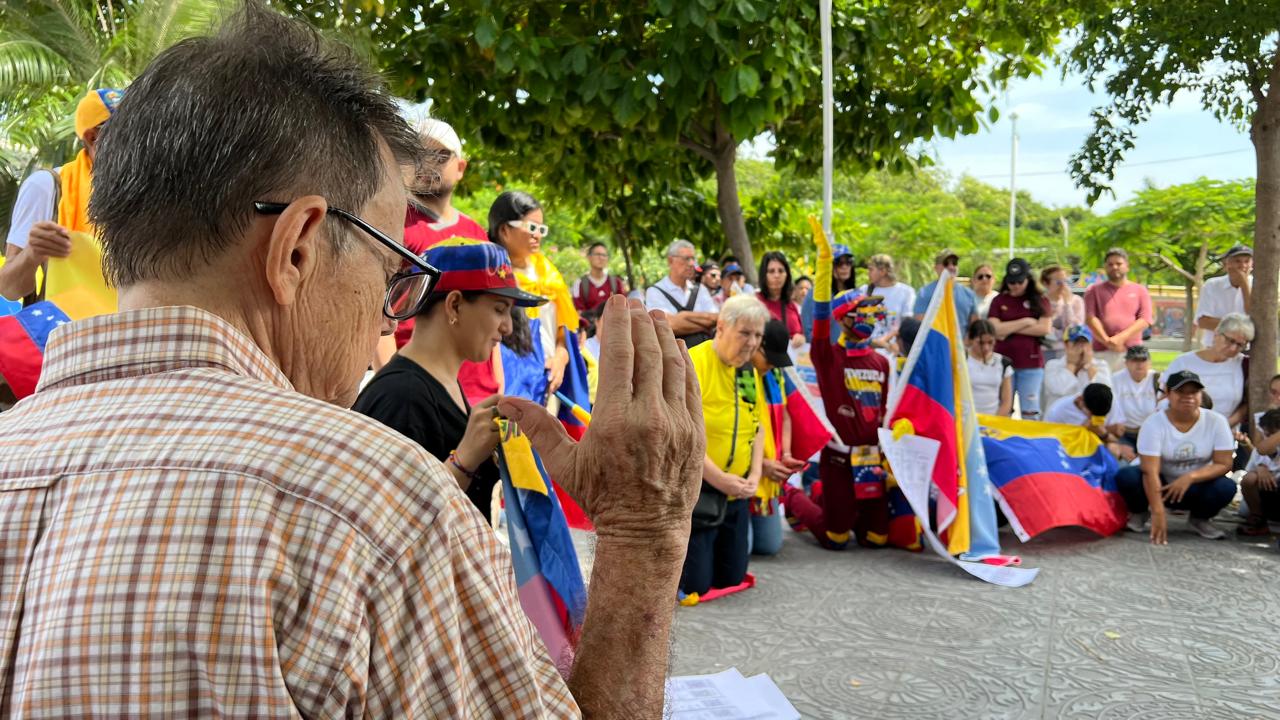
x=1160 y=359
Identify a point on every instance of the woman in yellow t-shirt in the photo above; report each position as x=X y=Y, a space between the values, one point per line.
x=516 y=223
x=733 y=409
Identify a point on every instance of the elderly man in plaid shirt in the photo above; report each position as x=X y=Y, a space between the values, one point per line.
x=191 y=522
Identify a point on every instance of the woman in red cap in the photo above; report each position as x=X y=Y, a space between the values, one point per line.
x=417 y=392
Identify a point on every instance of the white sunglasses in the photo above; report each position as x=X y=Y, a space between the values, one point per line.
x=532 y=228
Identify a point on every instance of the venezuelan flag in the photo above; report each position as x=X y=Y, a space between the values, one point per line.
x=22 y=340
x=1048 y=475
x=786 y=396
x=548 y=578
x=575 y=387
x=929 y=395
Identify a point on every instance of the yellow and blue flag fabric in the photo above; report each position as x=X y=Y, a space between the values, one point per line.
x=934 y=398
x=1048 y=475
x=76 y=284
x=548 y=577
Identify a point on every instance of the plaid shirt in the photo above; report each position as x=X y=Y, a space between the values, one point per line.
x=181 y=533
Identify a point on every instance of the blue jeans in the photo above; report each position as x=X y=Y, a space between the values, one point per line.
x=1026 y=386
x=1202 y=500
x=764 y=537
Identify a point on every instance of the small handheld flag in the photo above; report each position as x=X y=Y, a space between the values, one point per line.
x=579 y=413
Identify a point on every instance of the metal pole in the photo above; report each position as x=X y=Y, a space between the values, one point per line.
x=1066 y=230
x=828 y=117
x=1013 y=182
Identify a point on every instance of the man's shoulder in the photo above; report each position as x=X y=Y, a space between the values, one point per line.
x=467 y=227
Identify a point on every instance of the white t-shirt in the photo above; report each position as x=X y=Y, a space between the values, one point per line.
x=1059 y=382
x=1064 y=410
x=899 y=302
x=1217 y=299
x=34 y=204
x=985 y=379
x=1224 y=381
x=1269 y=462
x=1183 y=452
x=1134 y=401
x=655 y=300
x=984 y=304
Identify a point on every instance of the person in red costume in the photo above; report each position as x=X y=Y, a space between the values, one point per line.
x=854 y=380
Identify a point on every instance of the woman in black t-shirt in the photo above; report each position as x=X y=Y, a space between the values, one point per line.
x=417 y=393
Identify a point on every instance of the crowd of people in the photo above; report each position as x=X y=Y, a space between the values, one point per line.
x=225 y=478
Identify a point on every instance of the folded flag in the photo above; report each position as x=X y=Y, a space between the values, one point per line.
x=1047 y=475
x=548 y=578
x=22 y=340
x=76 y=283
x=575 y=387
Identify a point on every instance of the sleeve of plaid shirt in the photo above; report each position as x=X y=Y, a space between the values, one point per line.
x=445 y=635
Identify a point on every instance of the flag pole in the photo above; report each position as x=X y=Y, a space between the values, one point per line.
x=828 y=117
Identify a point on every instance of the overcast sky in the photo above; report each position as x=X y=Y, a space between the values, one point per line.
x=1053 y=120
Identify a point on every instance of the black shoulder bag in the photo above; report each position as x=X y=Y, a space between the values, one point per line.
x=692 y=339
x=712 y=505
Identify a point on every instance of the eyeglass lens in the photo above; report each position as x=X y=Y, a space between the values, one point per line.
x=405 y=294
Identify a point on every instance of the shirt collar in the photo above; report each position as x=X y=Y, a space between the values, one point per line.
x=149 y=341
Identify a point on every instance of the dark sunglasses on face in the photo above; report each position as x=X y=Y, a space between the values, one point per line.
x=983 y=276
x=408 y=288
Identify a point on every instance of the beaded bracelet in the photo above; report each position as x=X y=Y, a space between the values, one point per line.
x=453 y=460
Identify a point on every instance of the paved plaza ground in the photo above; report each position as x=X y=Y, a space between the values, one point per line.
x=1113 y=628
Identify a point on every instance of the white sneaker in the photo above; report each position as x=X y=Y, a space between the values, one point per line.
x=1138 y=521
x=1205 y=528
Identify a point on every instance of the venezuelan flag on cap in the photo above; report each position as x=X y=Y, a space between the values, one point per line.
x=467 y=264
x=96 y=108
x=844 y=302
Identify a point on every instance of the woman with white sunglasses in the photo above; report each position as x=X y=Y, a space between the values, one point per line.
x=516 y=222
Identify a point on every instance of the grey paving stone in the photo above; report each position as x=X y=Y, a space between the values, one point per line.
x=1113 y=628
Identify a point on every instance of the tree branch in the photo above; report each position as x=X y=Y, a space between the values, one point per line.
x=1175 y=266
x=702 y=150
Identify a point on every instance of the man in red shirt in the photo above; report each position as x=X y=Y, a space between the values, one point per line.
x=1117 y=310
x=432 y=194
x=592 y=289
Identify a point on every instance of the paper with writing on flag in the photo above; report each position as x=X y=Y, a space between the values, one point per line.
x=912 y=458
x=933 y=401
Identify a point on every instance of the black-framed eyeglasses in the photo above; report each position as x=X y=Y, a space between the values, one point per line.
x=408 y=288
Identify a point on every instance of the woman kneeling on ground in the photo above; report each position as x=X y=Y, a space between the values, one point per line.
x=1186 y=454
x=733 y=408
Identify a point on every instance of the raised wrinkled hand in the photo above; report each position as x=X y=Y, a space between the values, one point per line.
x=637 y=471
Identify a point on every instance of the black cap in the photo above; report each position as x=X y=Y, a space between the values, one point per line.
x=1137 y=352
x=775 y=344
x=1238 y=250
x=1182 y=377
x=1017 y=270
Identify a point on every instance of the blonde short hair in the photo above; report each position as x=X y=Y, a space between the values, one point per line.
x=743 y=308
x=884 y=264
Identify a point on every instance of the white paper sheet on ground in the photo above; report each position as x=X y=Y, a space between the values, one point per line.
x=912 y=459
x=726 y=696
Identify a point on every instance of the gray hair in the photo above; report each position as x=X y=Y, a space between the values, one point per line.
x=883 y=263
x=265 y=110
x=1236 y=323
x=743 y=308
x=677 y=245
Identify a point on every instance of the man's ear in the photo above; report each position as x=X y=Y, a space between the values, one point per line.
x=293 y=247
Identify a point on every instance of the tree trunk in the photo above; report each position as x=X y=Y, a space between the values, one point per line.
x=1265 y=134
x=624 y=244
x=1190 y=332
x=728 y=206
x=1197 y=285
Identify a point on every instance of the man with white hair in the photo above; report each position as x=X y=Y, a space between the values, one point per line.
x=691 y=312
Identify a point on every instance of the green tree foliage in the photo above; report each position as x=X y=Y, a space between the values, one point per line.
x=1143 y=54
x=1177 y=232
x=666 y=89
x=53 y=51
